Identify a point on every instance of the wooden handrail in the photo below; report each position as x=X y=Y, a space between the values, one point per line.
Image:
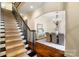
x=32 y=32
x=17 y=5
x=24 y=22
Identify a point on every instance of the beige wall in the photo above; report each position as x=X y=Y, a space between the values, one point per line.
x=72 y=40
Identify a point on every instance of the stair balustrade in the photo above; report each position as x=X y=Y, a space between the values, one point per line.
x=29 y=35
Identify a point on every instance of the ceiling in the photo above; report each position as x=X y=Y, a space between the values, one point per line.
x=27 y=7
x=52 y=15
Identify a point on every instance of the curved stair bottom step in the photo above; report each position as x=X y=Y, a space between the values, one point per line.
x=23 y=55
x=15 y=51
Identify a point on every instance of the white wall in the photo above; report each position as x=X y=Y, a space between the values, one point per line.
x=6 y=5
x=62 y=27
x=47 y=21
x=72 y=26
x=46 y=24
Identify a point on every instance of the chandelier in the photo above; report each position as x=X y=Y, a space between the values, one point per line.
x=57 y=20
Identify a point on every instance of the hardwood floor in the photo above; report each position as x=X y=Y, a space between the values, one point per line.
x=46 y=51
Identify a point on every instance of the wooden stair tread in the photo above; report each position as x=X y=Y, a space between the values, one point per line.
x=22 y=55
x=14 y=43
x=10 y=26
x=11 y=23
x=13 y=34
x=14 y=46
x=12 y=31
x=16 y=51
x=11 y=40
x=12 y=37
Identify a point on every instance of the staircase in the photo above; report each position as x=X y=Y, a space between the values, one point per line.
x=11 y=43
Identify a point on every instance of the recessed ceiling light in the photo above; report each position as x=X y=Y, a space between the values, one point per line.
x=21 y=14
x=31 y=6
x=25 y=17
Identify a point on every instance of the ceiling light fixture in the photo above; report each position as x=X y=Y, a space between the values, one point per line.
x=31 y=6
x=21 y=14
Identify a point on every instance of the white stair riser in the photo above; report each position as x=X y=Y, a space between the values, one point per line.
x=2 y=53
x=2 y=45
x=2 y=39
